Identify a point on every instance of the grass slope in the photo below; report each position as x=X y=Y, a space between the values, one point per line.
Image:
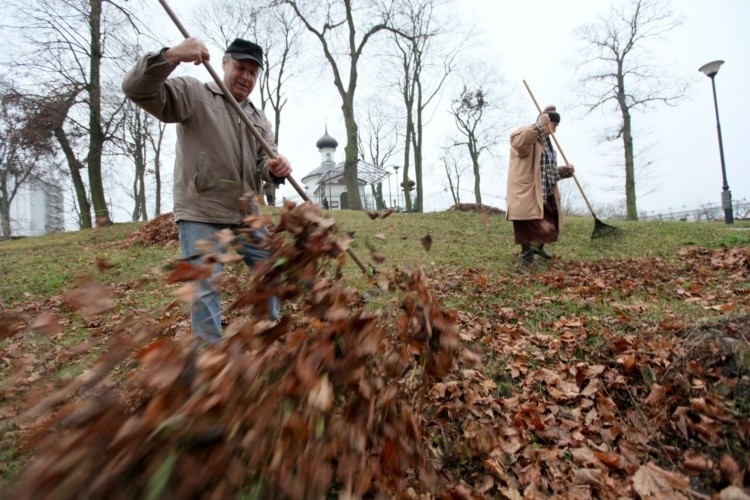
x=630 y=286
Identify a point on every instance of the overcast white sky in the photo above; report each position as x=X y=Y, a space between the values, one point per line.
x=535 y=41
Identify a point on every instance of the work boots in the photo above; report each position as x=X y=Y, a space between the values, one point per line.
x=527 y=255
x=541 y=252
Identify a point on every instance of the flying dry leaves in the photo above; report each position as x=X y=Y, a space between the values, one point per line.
x=426 y=241
x=298 y=409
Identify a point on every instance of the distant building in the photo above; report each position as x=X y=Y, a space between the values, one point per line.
x=326 y=186
x=37 y=209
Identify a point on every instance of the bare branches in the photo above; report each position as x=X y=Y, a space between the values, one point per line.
x=26 y=147
x=472 y=111
x=336 y=25
x=615 y=72
x=614 y=52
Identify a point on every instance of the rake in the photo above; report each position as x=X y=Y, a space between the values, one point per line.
x=600 y=228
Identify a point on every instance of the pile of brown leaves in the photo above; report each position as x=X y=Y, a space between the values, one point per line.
x=480 y=209
x=161 y=230
x=284 y=410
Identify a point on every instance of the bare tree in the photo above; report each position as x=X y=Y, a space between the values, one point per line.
x=424 y=68
x=617 y=71
x=59 y=104
x=156 y=140
x=378 y=138
x=378 y=131
x=472 y=112
x=76 y=37
x=455 y=167
x=135 y=143
x=25 y=142
x=337 y=25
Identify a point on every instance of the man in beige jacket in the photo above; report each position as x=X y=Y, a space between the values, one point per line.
x=218 y=161
x=532 y=195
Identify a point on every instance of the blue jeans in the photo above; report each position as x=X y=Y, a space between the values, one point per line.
x=205 y=310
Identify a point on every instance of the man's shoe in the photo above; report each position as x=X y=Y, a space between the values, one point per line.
x=541 y=252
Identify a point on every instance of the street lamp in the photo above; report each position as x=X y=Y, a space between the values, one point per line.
x=710 y=70
x=398 y=198
x=390 y=195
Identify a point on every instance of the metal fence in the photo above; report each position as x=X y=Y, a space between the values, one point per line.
x=699 y=213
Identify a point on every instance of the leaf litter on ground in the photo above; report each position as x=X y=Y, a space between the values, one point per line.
x=413 y=400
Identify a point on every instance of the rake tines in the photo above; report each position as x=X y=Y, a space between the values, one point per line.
x=601 y=230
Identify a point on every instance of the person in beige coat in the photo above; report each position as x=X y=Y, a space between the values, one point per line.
x=532 y=195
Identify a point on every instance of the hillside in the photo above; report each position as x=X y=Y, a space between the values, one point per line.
x=622 y=368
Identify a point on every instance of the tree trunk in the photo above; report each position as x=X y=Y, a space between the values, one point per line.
x=474 y=153
x=418 y=141
x=408 y=143
x=351 y=155
x=74 y=168
x=96 y=134
x=139 y=184
x=627 y=139
x=630 y=194
x=156 y=146
x=5 y=212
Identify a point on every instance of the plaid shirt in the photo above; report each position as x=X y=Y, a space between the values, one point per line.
x=550 y=175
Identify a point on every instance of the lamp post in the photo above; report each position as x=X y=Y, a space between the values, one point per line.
x=710 y=70
x=390 y=196
x=398 y=198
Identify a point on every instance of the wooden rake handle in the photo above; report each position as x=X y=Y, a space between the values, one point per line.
x=241 y=113
x=561 y=152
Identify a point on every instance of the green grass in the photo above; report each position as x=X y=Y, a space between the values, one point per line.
x=36 y=272
x=37 y=268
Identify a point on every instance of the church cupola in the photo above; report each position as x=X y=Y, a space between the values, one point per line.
x=327 y=146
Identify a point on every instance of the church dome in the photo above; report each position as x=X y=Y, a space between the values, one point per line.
x=327 y=141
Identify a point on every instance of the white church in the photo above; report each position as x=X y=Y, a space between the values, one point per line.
x=326 y=186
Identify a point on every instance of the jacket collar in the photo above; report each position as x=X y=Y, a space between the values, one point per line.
x=214 y=87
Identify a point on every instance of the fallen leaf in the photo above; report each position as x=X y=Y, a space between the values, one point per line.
x=426 y=241
x=696 y=462
x=321 y=395
x=592 y=477
x=650 y=480
x=657 y=395
x=731 y=470
x=47 y=323
x=733 y=493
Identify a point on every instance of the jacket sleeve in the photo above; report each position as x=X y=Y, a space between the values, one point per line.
x=523 y=139
x=148 y=85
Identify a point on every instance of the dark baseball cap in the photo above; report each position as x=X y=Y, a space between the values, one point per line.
x=242 y=50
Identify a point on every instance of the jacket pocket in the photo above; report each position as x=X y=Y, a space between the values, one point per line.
x=524 y=174
x=200 y=174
